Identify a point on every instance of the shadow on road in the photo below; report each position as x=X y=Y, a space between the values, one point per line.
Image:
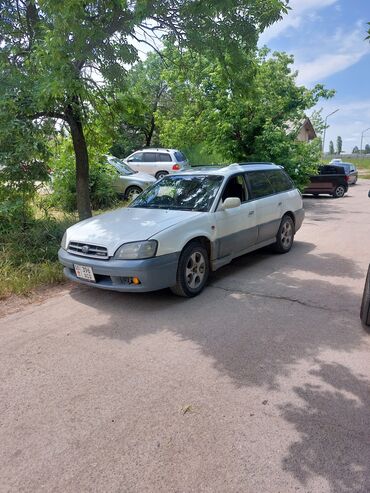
x=328 y=447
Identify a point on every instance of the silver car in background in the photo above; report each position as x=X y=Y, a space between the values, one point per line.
x=129 y=183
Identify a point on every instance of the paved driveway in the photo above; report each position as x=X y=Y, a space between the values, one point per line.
x=261 y=384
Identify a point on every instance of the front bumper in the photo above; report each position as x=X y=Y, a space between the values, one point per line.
x=154 y=273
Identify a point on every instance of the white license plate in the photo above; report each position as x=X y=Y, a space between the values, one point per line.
x=84 y=272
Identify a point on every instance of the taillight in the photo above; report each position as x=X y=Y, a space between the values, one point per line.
x=347 y=178
x=176 y=167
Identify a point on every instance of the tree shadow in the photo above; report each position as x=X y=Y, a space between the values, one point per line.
x=255 y=320
x=334 y=424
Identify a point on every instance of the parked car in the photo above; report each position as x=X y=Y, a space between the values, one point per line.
x=183 y=227
x=158 y=162
x=336 y=161
x=331 y=180
x=365 y=305
x=129 y=183
x=351 y=171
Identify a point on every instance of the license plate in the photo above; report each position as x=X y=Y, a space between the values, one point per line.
x=84 y=272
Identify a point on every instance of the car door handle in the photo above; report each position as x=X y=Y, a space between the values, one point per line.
x=251 y=213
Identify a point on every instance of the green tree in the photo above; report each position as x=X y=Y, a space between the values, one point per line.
x=339 y=144
x=331 y=148
x=242 y=115
x=355 y=150
x=58 y=59
x=367 y=149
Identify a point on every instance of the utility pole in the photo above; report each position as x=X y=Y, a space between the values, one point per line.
x=362 y=139
x=323 y=138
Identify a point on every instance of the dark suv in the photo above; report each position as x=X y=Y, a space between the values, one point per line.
x=331 y=180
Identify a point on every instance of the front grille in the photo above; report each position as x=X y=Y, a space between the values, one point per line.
x=86 y=250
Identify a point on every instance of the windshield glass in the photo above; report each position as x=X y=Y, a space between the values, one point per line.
x=120 y=166
x=187 y=193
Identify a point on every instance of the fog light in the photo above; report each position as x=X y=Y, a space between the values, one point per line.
x=136 y=280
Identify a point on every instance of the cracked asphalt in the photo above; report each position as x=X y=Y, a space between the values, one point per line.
x=260 y=384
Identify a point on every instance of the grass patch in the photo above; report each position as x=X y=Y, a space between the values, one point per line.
x=28 y=254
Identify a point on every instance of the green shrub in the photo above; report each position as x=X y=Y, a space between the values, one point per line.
x=101 y=180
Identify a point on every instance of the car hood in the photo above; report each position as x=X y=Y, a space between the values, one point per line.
x=124 y=225
x=142 y=177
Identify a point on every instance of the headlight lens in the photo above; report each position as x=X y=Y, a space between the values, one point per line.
x=64 y=241
x=137 y=250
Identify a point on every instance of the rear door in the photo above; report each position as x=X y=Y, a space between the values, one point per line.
x=268 y=204
x=235 y=228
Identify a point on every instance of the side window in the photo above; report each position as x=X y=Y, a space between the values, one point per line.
x=150 y=157
x=279 y=180
x=260 y=184
x=163 y=158
x=236 y=187
x=136 y=158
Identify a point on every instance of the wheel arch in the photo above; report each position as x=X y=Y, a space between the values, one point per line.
x=203 y=240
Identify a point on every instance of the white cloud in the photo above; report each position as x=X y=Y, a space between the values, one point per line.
x=332 y=54
x=295 y=17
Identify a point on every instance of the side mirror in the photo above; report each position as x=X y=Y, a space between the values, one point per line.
x=231 y=203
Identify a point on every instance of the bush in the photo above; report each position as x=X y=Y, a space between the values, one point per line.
x=101 y=180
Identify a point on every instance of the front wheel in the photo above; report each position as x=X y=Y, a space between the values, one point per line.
x=132 y=192
x=285 y=236
x=339 y=191
x=192 y=271
x=365 y=305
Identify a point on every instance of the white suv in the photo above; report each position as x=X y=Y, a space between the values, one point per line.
x=157 y=162
x=182 y=227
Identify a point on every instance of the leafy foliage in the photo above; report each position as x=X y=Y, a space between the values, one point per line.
x=243 y=115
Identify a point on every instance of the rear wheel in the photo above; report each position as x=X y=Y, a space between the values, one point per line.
x=161 y=174
x=285 y=236
x=132 y=192
x=365 y=305
x=339 y=191
x=192 y=271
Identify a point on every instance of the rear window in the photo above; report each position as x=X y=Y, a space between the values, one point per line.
x=180 y=156
x=260 y=184
x=279 y=180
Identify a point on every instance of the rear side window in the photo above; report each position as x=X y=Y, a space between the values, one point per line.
x=279 y=180
x=331 y=170
x=150 y=157
x=164 y=158
x=180 y=156
x=260 y=184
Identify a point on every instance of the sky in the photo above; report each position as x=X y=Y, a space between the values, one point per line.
x=327 y=39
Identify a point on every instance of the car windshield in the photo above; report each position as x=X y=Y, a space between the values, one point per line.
x=187 y=193
x=120 y=166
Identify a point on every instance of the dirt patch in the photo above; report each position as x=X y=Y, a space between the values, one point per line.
x=15 y=303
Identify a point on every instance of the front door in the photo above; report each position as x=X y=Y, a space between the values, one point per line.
x=236 y=228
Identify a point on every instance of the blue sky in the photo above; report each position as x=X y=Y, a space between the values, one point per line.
x=327 y=39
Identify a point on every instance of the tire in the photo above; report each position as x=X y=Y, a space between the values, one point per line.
x=161 y=174
x=339 y=191
x=192 y=271
x=285 y=235
x=132 y=192
x=365 y=305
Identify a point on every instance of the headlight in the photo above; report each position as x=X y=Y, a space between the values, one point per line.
x=64 y=241
x=137 y=250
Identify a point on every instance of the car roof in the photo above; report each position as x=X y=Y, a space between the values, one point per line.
x=156 y=149
x=231 y=169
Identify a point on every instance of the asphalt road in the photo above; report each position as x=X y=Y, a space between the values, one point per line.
x=261 y=384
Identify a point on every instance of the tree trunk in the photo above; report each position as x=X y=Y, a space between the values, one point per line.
x=82 y=164
x=149 y=135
